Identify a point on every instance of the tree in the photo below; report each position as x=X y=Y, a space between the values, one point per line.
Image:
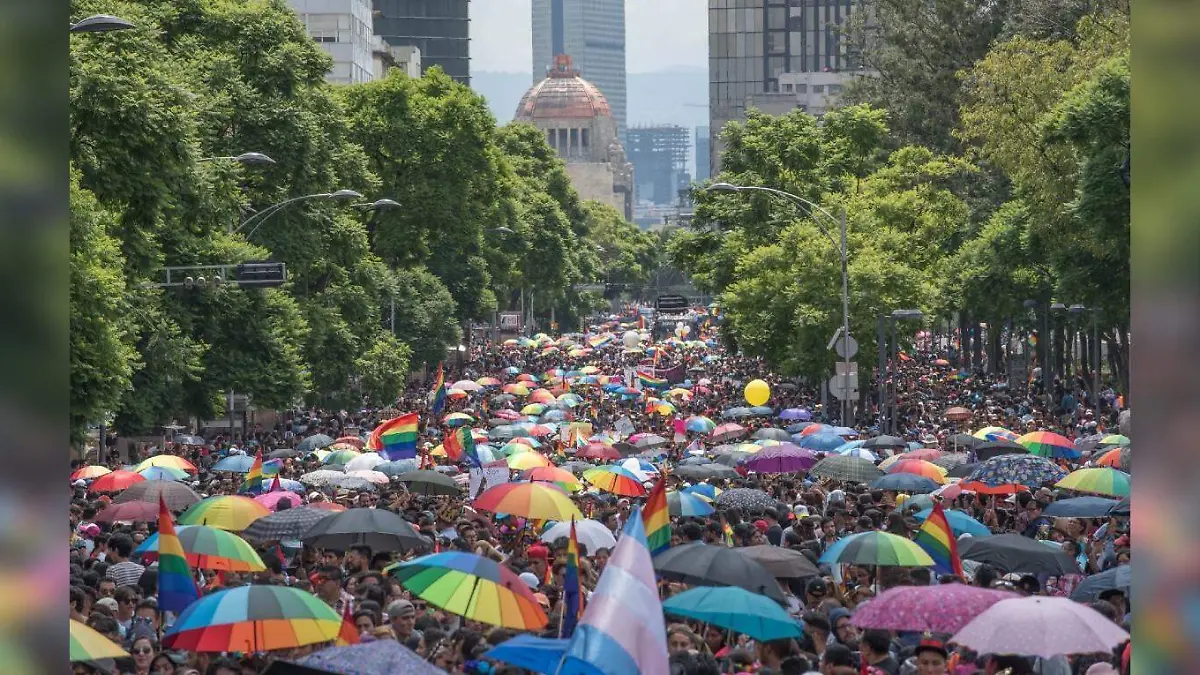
x=381 y=371
x=424 y=315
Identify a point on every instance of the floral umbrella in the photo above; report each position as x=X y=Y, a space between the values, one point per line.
x=939 y=609
x=1012 y=473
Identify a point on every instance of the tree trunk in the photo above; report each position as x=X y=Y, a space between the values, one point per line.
x=994 y=361
x=976 y=345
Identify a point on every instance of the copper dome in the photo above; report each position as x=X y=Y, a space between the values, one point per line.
x=563 y=95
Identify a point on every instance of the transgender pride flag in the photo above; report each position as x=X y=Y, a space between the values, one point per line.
x=622 y=630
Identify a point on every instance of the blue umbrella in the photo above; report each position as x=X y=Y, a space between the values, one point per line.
x=1116 y=578
x=292 y=485
x=857 y=451
x=368 y=658
x=685 y=504
x=762 y=411
x=1080 y=507
x=800 y=414
x=702 y=489
x=826 y=442
x=541 y=655
x=959 y=522
x=844 y=431
x=234 y=463
x=736 y=609
x=905 y=482
x=162 y=473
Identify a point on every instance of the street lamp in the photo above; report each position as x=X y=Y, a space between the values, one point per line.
x=247 y=158
x=809 y=207
x=101 y=23
x=887 y=403
x=501 y=230
x=378 y=204
x=1095 y=312
x=261 y=217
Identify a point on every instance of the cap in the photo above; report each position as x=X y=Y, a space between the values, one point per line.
x=530 y=579
x=401 y=608
x=537 y=551
x=761 y=525
x=79 y=482
x=110 y=603
x=816 y=586
x=816 y=620
x=929 y=643
x=90 y=530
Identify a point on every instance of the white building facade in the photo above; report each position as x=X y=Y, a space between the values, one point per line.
x=343 y=28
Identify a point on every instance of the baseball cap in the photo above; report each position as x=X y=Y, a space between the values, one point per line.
x=401 y=608
x=761 y=525
x=530 y=579
x=816 y=586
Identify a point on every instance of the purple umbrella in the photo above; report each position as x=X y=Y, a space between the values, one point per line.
x=782 y=458
x=1040 y=626
x=799 y=414
x=940 y=609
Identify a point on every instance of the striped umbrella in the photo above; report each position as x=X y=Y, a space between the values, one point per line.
x=89 y=645
x=529 y=459
x=342 y=456
x=1114 y=439
x=229 y=512
x=919 y=467
x=877 y=548
x=708 y=492
x=172 y=461
x=959 y=521
x=727 y=432
x=528 y=500
x=1099 y=480
x=208 y=548
x=472 y=587
x=995 y=434
x=254 y=618
x=615 y=479
x=1049 y=444
x=552 y=474
x=90 y=472
x=688 y=505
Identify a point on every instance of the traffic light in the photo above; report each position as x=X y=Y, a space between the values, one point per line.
x=262 y=273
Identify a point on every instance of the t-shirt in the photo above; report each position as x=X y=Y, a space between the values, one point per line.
x=889 y=665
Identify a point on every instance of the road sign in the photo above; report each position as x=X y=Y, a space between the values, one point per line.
x=844 y=386
x=842 y=343
x=669 y=303
x=842 y=368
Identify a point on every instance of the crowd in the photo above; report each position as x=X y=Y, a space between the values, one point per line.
x=114 y=589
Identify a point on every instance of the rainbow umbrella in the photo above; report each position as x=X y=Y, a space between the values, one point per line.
x=687 y=504
x=89 y=645
x=488 y=382
x=228 y=512
x=340 y=456
x=172 y=461
x=472 y=587
x=995 y=434
x=529 y=459
x=116 y=481
x=1049 y=444
x=615 y=479
x=514 y=447
x=255 y=618
x=528 y=500
x=920 y=467
x=162 y=473
x=552 y=474
x=90 y=472
x=455 y=419
x=1100 y=480
x=876 y=548
x=516 y=389
x=700 y=424
x=1111 y=458
x=209 y=548
x=541 y=396
x=1115 y=439
x=534 y=409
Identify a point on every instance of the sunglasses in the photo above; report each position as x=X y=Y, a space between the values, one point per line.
x=141 y=650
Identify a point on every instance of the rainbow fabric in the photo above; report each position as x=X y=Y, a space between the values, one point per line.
x=936 y=537
x=622 y=631
x=657 y=518
x=252 y=484
x=649 y=380
x=275 y=486
x=176 y=586
x=728 y=532
x=459 y=444
x=599 y=341
x=396 y=438
x=572 y=589
x=439 y=392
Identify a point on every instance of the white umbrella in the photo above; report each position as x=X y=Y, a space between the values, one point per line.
x=365 y=462
x=590 y=533
x=373 y=476
x=635 y=467
x=322 y=477
x=1040 y=626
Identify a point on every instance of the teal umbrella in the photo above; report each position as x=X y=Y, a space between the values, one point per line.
x=735 y=609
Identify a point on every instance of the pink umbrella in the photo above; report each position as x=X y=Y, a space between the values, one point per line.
x=507 y=414
x=271 y=499
x=782 y=458
x=940 y=609
x=727 y=432
x=1040 y=626
x=951 y=491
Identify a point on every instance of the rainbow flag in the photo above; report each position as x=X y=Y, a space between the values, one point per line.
x=937 y=538
x=275 y=486
x=176 y=586
x=658 y=518
x=572 y=588
x=396 y=438
x=348 y=633
x=439 y=392
x=621 y=631
x=599 y=341
x=649 y=380
x=252 y=484
x=459 y=444
x=728 y=532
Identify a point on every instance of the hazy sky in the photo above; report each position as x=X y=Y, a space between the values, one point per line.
x=659 y=35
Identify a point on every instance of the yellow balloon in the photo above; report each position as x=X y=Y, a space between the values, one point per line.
x=757 y=392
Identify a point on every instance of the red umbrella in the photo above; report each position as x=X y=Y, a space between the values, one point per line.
x=141 y=512
x=958 y=414
x=599 y=451
x=539 y=430
x=116 y=481
x=350 y=440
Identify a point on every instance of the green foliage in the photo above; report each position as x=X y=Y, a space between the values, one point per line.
x=424 y=315
x=381 y=371
x=627 y=254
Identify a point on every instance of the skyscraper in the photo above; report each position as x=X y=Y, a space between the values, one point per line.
x=343 y=29
x=592 y=33
x=702 y=140
x=752 y=43
x=659 y=155
x=440 y=29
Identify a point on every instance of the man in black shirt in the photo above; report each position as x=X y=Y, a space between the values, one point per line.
x=874 y=649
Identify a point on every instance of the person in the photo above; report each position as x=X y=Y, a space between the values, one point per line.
x=122 y=570
x=162 y=664
x=875 y=650
x=714 y=640
x=931 y=656
x=680 y=638
x=327 y=585
x=143 y=651
x=358 y=559
x=403 y=617
x=223 y=666
x=836 y=656
x=844 y=632
x=127 y=600
x=364 y=621
x=771 y=653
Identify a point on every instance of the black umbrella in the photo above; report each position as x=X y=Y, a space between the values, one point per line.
x=1118 y=578
x=626 y=449
x=731 y=457
x=736 y=413
x=1120 y=509
x=695 y=461
x=950 y=460
x=650 y=441
x=963 y=441
x=1080 y=507
x=905 y=482
x=703 y=565
x=784 y=563
x=1000 y=446
x=577 y=467
x=747 y=499
x=177 y=495
x=313 y=443
x=429 y=483
x=1014 y=553
x=846 y=468
x=962 y=470
x=285 y=524
x=184 y=439
x=380 y=529
x=884 y=442
x=282 y=453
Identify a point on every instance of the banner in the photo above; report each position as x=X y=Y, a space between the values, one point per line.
x=494 y=474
